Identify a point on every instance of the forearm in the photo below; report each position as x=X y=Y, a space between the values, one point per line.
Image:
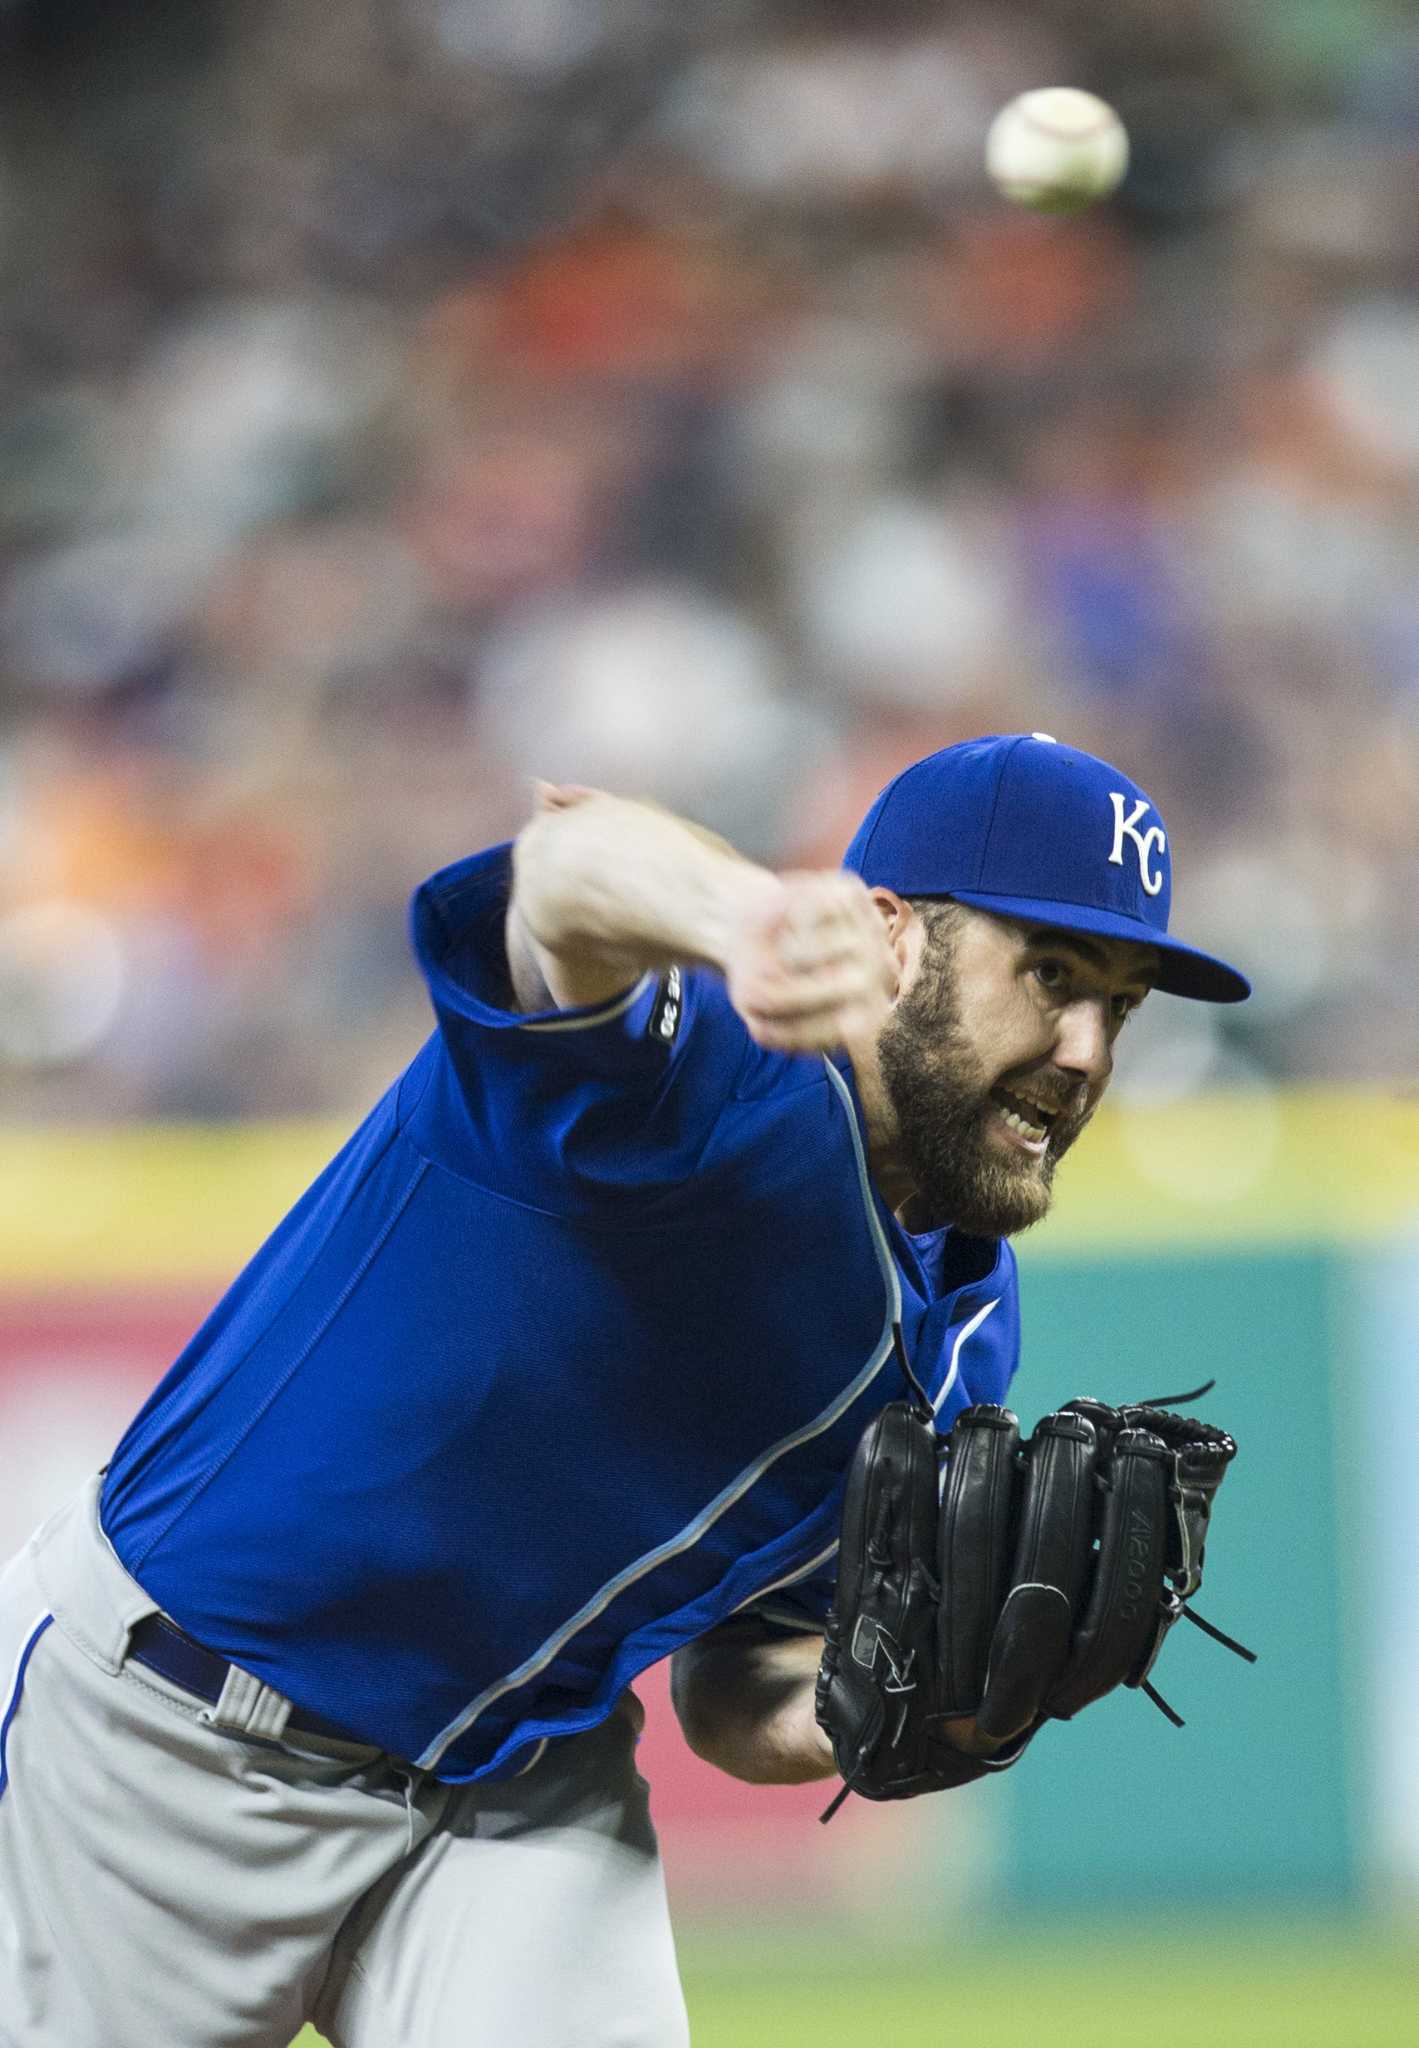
x=604 y=882
x=744 y=1699
x=604 y=888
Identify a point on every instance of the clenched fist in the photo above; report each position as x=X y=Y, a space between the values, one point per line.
x=809 y=967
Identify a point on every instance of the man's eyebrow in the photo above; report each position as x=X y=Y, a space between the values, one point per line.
x=1041 y=935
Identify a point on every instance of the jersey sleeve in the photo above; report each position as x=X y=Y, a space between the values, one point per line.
x=565 y=1109
x=457 y=919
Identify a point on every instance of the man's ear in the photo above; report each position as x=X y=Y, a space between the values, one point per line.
x=905 y=932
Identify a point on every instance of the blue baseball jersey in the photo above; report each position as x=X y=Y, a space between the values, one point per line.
x=557 y=1365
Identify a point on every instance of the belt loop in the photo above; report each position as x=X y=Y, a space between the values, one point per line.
x=248 y=1707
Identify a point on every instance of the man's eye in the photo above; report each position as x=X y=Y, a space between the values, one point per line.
x=1123 y=1008
x=1051 y=974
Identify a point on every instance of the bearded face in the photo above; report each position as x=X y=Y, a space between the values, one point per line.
x=980 y=1137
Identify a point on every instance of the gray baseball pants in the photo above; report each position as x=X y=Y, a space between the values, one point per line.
x=170 y=1877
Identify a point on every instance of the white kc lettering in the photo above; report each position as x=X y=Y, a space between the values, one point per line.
x=1127 y=828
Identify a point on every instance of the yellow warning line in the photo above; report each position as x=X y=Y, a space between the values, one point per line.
x=188 y=1203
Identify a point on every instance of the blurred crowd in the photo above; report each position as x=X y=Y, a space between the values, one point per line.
x=404 y=398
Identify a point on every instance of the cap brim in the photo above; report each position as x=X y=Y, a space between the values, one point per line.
x=1182 y=970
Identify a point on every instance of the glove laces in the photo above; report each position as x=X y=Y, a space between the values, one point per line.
x=1208 y=1628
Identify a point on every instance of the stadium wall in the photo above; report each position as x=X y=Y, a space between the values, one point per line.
x=1269 y=1241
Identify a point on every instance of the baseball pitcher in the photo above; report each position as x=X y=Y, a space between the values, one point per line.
x=676 y=1258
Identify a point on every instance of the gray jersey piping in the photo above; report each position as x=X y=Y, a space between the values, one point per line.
x=616 y=1007
x=690 y=1535
x=803 y=1571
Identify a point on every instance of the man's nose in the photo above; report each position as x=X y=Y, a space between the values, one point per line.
x=1082 y=1044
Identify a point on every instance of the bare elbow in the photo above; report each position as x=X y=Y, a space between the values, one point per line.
x=707 y=1720
x=752 y=1723
x=695 y=1705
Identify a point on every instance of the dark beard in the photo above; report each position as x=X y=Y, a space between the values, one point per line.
x=940 y=1094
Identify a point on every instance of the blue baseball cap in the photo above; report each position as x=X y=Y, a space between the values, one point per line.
x=1018 y=824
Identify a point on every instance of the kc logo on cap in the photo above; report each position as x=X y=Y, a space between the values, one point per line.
x=1144 y=842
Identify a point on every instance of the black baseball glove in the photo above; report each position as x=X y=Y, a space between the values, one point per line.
x=1014 y=1586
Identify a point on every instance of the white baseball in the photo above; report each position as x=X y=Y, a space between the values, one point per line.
x=1056 y=149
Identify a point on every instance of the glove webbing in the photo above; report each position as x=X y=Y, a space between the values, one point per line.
x=1207 y=1627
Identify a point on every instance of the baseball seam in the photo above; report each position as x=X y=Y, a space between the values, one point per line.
x=1100 y=125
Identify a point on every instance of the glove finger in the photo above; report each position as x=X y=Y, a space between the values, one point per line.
x=1125 y=1614
x=973 y=1556
x=887 y=1524
x=879 y=1638
x=1030 y=1644
x=1107 y=1423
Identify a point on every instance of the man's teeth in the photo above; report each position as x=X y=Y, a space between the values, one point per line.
x=1018 y=1123
x=1013 y=1109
